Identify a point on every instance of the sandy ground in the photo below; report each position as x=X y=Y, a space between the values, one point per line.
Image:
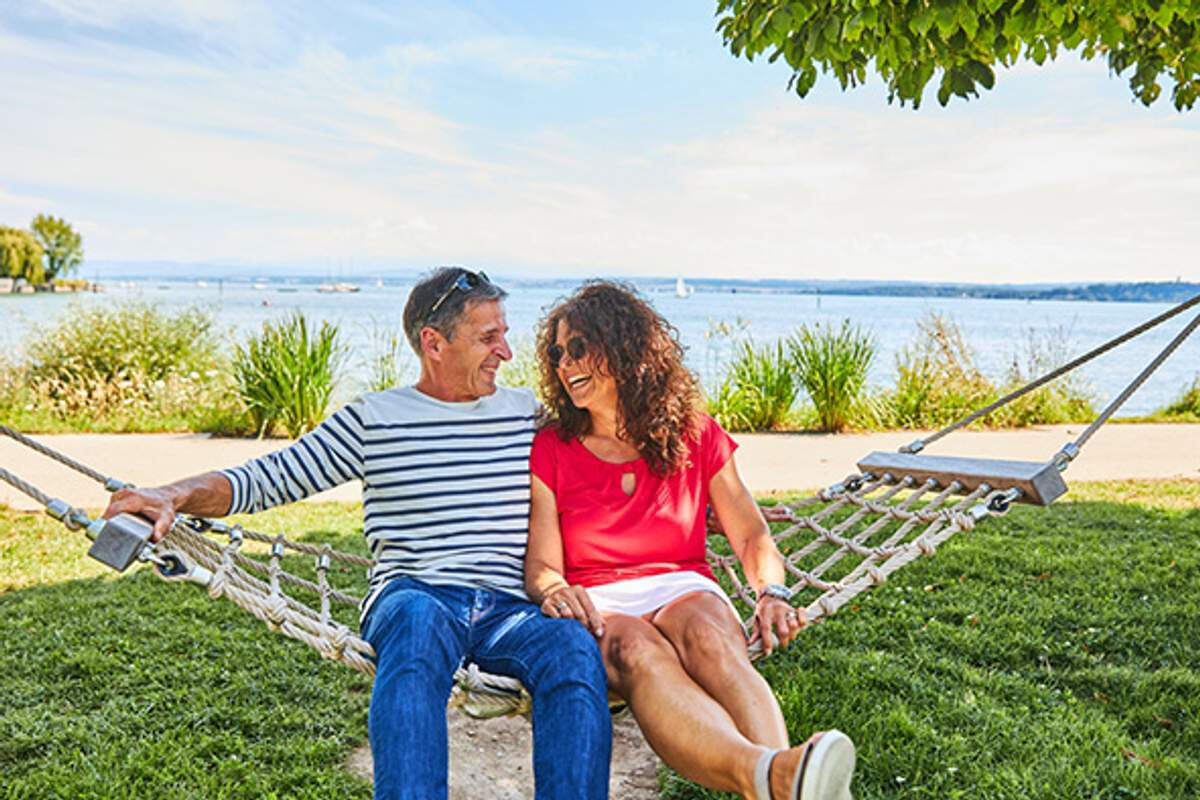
x=492 y=759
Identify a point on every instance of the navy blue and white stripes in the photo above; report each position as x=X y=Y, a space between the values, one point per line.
x=445 y=485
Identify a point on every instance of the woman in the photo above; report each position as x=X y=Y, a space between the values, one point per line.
x=622 y=477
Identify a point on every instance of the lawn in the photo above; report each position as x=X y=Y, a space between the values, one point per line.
x=1052 y=653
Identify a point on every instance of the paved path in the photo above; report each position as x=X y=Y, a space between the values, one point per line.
x=768 y=461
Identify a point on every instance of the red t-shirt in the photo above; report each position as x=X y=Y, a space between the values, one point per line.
x=609 y=536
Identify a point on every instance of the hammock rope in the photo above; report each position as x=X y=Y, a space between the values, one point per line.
x=837 y=543
x=880 y=536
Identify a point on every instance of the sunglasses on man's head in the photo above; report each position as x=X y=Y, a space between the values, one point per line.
x=464 y=283
x=576 y=348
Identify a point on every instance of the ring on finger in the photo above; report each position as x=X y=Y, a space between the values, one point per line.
x=561 y=606
x=792 y=616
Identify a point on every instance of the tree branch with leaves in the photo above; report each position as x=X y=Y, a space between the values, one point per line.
x=910 y=42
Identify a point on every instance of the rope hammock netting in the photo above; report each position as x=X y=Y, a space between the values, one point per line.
x=837 y=543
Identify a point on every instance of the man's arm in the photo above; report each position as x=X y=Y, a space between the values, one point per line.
x=206 y=495
x=324 y=457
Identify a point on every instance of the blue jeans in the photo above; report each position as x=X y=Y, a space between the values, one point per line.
x=421 y=633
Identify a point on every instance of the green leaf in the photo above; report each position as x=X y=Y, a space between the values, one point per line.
x=943 y=94
x=982 y=73
x=922 y=21
x=969 y=23
x=947 y=20
x=854 y=28
x=1038 y=52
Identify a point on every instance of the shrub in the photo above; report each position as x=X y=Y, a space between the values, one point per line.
x=937 y=379
x=128 y=367
x=1187 y=405
x=1065 y=399
x=832 y=365
x=286 y=374
x=758 y=391
x=114 y=343
x=522 y=371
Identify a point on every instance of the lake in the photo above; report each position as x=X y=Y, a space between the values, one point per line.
x=997 y=330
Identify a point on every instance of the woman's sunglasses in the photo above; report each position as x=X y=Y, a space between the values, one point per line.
x=576 y=348
x=464 y=283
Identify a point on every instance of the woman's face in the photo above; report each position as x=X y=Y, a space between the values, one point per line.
x=583 y=373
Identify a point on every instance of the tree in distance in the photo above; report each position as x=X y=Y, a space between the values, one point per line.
x=63 y=247
x=20 y=255
x=908 y=41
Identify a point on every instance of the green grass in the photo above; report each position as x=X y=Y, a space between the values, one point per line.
x=130 y=687
x=1052 y=653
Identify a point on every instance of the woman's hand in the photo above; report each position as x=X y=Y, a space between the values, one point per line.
x=572 y=602
x=776 y=622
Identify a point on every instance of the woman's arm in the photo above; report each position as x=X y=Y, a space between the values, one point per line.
x=544 y=581
x=751 y=540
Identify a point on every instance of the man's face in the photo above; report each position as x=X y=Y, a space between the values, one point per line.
x=471 y=359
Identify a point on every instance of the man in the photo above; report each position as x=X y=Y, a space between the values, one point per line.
x=444 y=467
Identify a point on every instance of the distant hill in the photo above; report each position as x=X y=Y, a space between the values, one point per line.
x=1145 y=292
x=1163 y=292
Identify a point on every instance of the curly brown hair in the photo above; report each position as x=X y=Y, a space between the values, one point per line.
x=657 y=396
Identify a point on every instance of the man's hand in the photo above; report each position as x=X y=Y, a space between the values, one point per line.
x=155 y=505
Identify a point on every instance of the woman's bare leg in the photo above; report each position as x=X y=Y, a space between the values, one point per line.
x=682 y=723
x=711 y=647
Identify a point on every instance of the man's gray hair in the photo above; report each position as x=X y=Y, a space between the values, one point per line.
x=441 y=288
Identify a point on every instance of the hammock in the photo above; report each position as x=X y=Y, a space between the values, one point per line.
x=837 y=543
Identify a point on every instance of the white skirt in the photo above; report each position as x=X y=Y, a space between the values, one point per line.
x=638 y=596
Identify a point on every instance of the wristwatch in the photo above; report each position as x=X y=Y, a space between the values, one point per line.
x=776 y=590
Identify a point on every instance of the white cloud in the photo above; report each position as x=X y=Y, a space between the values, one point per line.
x=332 y=153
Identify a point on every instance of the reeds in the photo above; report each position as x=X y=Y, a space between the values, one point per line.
x=759 y=389
x=832 y=365
x=286 y=374
x=389 y=357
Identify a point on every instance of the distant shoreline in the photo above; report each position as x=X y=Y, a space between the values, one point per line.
x=1129 y=292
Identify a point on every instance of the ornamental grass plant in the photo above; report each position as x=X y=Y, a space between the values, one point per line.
x=286 y=374
x=389 y=357
x=832 y=364
x=759 y=389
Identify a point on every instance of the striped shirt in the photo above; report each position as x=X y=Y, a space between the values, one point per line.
x=445 y=485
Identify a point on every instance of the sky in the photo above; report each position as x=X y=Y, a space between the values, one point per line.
x=561 y=139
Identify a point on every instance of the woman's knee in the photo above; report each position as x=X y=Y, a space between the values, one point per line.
x=708 y=644
x=635 y=650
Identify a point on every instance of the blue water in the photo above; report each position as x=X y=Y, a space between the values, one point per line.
x=996 y=330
